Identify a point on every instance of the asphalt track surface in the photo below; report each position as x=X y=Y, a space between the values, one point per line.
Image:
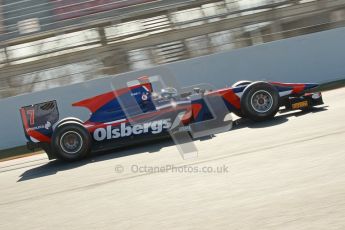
x=288 y=173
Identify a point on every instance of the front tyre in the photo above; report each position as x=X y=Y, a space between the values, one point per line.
x=71 y=141
x=260 y=101
x=241 y=83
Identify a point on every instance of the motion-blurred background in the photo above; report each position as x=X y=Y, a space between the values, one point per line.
x=51 y=43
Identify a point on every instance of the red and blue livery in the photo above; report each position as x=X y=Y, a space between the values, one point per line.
x=139 y=113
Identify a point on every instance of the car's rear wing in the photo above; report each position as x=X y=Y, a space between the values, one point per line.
x=38 y=121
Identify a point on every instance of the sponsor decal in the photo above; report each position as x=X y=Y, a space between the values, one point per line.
x=135 y=94
x=298 y=105
x=45 y=126
x=144 y=97
x=124 y=130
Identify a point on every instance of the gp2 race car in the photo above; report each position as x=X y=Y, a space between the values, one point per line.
x=138 y=113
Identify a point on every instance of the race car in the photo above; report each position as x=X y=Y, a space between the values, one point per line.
x=139 y=113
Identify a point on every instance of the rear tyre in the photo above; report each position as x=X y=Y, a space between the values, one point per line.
x=260 y=101
x=67 y=119
x=71 y=141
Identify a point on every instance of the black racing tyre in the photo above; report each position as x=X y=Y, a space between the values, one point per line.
x=71 y=141
x=260 y=101
x=66 y=119
x=241 y=83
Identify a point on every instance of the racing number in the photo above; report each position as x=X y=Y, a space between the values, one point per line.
x=31 y=114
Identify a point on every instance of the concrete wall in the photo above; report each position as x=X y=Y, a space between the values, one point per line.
x=318 y=57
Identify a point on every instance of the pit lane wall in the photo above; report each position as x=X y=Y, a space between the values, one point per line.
x=318 y=57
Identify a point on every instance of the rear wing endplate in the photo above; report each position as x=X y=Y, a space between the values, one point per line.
x=38 y=120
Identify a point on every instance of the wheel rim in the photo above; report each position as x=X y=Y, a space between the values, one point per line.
x=71 y=142
x=262 y=101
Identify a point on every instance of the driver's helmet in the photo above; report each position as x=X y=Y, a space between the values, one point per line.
x=169 y=92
